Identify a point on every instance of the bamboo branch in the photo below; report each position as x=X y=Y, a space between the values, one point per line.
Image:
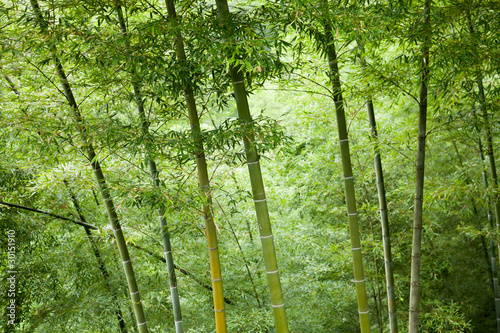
x=83 y=224
x=180 y=269
x=11 y=84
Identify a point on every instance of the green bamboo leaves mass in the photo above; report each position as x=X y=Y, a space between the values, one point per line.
x=101 y=181
x=153 y=124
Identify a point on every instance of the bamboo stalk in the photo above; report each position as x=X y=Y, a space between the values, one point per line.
x=100 y=261
x=386 y=236
x=491 y=261
x=204 y=183
x=493 y=172
x=494 y=267
x=359 y=277
x=12 y=85
x=167 y=247
x=254 y=170
x=474 y=207
x=419 y=181
x=100 y=179
x=245 y=262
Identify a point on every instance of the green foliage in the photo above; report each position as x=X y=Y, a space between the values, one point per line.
x=60 y=286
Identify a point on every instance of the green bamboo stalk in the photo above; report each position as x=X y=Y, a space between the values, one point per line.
x=167 y=247
x=254 y=170
x=490 y=151
x=376 y=294
x=389 y=275
x=494 y=267
x=493 y=173
x=359 y=276
x=204 y=183
x=492 y=261
x=474 y=207
x=39 y=211
x=100 y=179
x=419 y=181
x=100 y=261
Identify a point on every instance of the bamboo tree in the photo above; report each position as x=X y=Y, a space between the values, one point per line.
x=389 y=275
x=494 y=267
x=419 y=181
x=376 y=294
x=474 y=207
x=167 y=247
x=254 y=170
x=99 y=176
x=489 y=147
x=203 y=180
x=100 y=261
x=489 y=150
x=492 y=261
x=31 y=209
x=491 y=156
x=359 y=276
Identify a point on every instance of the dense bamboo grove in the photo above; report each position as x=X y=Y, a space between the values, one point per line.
x=163 y=128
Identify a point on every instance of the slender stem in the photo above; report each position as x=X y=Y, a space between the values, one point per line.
x=180 y=269
x=359 y=276
x=203 y=180
x=99 y=176
x=167 y=247
x=12 y=85
x=389 y=275
x=100 y=261
x=494 y=267
x=474 y=207
x=419 y=181
x=376 y=288
x=493 y=172
x=246 y=264
x=255 y=173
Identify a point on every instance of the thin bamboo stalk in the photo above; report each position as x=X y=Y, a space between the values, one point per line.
x=389 y=275
x=180 y=269
x=100 y=261
x=257 y=183
x=167 y=247
x=474 y=207
x=245 y=262
x=359 y=276
x=493 y=173
x=204 y=183
x=100 y=179
x=494 y=267
x=419 y=181
x=490 y=152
